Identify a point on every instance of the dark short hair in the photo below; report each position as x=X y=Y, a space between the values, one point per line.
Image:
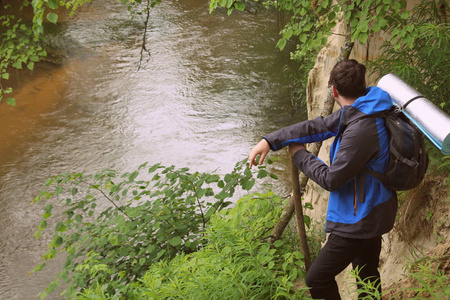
x=349 y=78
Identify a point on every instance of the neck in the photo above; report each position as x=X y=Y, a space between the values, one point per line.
x=341 y=100
x=346 y=101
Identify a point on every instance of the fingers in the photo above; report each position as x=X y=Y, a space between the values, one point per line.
x=262 y=157
x=251 y=160
x=262 y=148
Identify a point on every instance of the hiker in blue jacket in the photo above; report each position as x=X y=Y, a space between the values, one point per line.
x=360 y=207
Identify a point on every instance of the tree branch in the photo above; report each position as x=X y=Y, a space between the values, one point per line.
x=144 y=37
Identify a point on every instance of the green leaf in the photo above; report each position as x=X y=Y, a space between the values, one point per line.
x=303 y=11
x=278 y=243
x=175 y=241
x=405 y=15
x=383 y=23
x=212 y=178
x=5 y=76
x=11 y=101
x=53 y=4
x=288 y=33
x=363 y=37
x=58 y=190
x=133 y=176
x=307 y=220
x=348 y=14
x=58 y=242
x=281 y=43
x=239 y=6
x=249 y=184
x=262 y=173
x=364 y=27
x=151 y=248
x=30 y=66
x=17 y=65
x=60 y=227
x=376 y=27
x=52 y=17
x=227 y=178
x=48 y=208
x=38 y=29
x=332 y=16
x=42 y=225
x=303 y=37
x=153 y=168
x=212 y=6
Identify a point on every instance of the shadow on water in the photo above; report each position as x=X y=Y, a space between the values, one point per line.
x=212 y=86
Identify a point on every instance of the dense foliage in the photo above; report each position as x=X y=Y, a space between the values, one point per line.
x=113 y=227
x=237 y=262
x=421 y=57
x=19 y=48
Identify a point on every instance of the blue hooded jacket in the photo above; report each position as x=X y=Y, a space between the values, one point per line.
x=360 y=206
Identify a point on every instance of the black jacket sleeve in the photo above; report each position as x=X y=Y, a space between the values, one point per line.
x=315 y=130
x=358 y=145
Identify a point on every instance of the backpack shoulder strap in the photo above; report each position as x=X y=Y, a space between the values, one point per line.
x=365 y=170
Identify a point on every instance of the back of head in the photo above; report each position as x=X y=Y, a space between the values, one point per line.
x=349 y=78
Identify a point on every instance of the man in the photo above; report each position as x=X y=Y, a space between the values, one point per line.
x=360 y=207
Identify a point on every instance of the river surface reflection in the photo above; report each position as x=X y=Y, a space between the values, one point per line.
x=211 y=87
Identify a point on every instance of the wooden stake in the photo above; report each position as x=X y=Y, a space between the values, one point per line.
x=297 y=199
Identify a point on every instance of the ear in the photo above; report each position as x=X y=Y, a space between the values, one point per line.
x=335 y=91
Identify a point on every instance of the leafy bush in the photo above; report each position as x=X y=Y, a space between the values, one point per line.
x=18 y=48
x=115 y=227
x=427 y=277
x=430 y=281
x=421 y=56
x=237 y=262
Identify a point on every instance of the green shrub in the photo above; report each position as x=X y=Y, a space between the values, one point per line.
x=113 y=227
x=427 y=280
x=237 y=262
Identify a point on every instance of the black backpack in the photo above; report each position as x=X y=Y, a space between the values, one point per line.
x=408 y=159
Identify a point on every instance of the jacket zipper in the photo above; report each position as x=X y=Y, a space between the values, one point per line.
x=355 y=200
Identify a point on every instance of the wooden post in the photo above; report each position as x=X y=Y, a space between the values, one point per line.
x=297 y=199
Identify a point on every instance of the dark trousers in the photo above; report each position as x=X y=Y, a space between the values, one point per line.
x=335 y=256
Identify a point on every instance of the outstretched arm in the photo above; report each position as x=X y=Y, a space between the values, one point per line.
x=293 y=148
x=262 y=148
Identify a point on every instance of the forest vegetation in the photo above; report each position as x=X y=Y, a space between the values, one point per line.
x=165 y=233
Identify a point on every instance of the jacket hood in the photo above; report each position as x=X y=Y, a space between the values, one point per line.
x=376 y=100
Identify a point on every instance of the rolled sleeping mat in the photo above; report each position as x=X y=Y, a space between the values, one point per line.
x=430 y=119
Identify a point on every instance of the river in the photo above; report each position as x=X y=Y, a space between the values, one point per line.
x=212 y=85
